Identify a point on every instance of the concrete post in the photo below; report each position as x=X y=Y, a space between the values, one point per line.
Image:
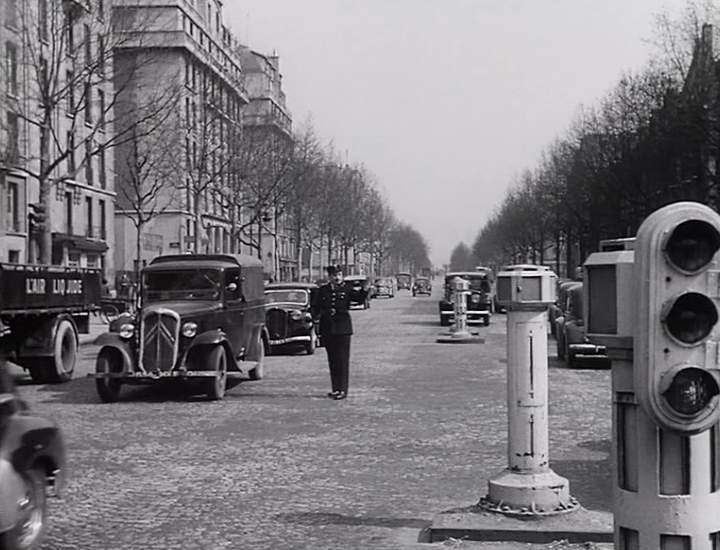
x=528 y=487
x=461 y=291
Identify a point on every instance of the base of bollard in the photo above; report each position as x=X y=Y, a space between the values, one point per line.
x=474 y=523
x=460 y=337
x=529 y=494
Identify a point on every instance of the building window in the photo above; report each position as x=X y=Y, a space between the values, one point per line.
x=101 y=109
x=11 y=67
x=14 y=256
x=103 y=220
x=43 y=20
x=13 y=138
x=70 y=83
x=101 y=54
x=101 y=9
x=88 y=45
x=88 y=163
x=11 y=13
x=88 y=104
x=12 y=204
x=70 y=35
x=101 y=158
x=91 y=260
x=73 y=259
x=68 y=212
x=71 y=154
x=89 y=217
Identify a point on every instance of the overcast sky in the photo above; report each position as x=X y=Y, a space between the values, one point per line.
x=446 y=101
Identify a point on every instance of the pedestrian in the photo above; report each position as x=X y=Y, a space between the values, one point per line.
x=331 y=308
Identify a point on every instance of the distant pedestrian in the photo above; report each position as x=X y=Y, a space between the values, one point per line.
x=331 y=307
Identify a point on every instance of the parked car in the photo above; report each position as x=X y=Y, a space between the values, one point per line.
x=479 y=301
x=360 y=282
x=201 y=319
x=385 y=286
x=404 y=281
x=422 y=285
x=288 y=318
x=31 y=468
x=572 y=344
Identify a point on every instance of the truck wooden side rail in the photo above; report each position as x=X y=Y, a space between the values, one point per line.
x=42 y=310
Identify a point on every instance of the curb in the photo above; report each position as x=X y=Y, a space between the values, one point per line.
x=472 y=524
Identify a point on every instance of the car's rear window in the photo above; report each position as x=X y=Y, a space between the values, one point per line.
x=286 y=296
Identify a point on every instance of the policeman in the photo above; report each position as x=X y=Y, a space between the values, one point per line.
x=331 y=308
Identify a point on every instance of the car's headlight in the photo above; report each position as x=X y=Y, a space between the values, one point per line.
x=475 y=298
x=296 y=315
x=126 y=330
x=189 y=329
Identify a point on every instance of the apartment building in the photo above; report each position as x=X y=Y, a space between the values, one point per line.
x=183 y=54
x=56 y=182
x=267 y=115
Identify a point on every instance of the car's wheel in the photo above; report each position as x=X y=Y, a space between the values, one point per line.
x=444 y=321
x=60 y=366
x=486 y=320
x=560 y=346
x=217 y=385
x=310 y=346
x=258 y=373
x=28 y=532
x=108 y=388
x=571 y=360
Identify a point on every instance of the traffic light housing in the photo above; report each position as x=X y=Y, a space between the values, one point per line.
x=36 y=217
x=677 y=285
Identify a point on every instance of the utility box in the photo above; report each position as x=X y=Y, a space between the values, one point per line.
x=608 y=298
x=526 y=286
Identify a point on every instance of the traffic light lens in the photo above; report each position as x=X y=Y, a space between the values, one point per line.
x=692 y=245
x=691 y=390
x=691 y=318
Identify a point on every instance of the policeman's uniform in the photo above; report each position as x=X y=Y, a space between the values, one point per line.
x=332 y=305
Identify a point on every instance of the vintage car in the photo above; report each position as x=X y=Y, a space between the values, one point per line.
x=32 y=466
x=422 y=285
x=360 y=282
x=201 y=319
x=479 y=301
x=288 y=318
x=572 y=344
x=385 y=286
x=404 y=281
x=555 y=310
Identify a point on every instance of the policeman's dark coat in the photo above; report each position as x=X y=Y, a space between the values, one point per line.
x=328 y=299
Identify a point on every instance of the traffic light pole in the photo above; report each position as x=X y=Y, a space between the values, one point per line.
x=528 y=487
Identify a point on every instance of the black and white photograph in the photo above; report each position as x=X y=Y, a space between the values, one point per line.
x=359 y=274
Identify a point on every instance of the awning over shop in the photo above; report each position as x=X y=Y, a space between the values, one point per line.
x=79 y=243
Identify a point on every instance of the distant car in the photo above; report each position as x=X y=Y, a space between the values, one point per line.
x=32 y=465
x=479 y=301
x=360 y=282
x=422 y=285
x=385 y=286
x=404 y=281
x=572 y=344
x=555 y=310
x=288 y=318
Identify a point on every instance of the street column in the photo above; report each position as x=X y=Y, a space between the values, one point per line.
x=528 y=486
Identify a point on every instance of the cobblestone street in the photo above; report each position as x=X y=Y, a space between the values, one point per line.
x=277 y=465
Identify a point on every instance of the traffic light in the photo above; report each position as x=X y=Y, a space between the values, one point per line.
x=36 y=218
x=676 y=336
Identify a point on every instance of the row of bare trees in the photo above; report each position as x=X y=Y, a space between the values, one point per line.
x=651 y=141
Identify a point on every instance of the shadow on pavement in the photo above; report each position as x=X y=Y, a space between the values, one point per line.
x=325 y=518
x=590 y=480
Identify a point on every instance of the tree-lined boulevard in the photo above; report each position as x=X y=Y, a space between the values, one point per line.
x=278 y=465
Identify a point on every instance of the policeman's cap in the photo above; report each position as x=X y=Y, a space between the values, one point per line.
x=333 y=269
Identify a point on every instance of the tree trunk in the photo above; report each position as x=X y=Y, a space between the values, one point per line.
x=45 y=240
x=138 y=251
x=197 y=224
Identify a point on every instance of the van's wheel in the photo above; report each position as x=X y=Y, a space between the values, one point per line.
x=444 y=321
x=216 y=386
x=30 y=527
x=108 y=388
x=310 y=346
x=258 y=373
x=59 y=367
